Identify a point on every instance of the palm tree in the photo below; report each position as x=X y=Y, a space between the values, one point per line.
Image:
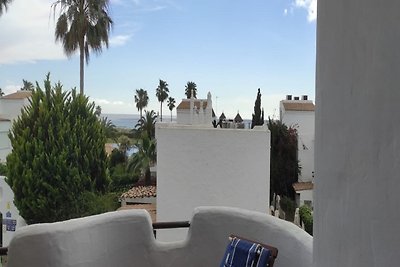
x=82 y=25
x=145 y=156
x=124 y=144
x=3 y=5
x=146 y=124
x=171 y=104
x=109 y=128
x=97 y=111
x=162 y=94
x=1 y=92
x=191 y=86
x=28 y=86
x=141 y=100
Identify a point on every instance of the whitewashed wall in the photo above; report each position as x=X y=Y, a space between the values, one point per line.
x=9 y=211
x=305 y=195
x=11 y=108
x=5 y=144
x=210 y=167
x=304 y=122
x=357 y=181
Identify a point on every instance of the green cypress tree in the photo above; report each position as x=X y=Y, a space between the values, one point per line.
x=258 y=115
x=58 y=155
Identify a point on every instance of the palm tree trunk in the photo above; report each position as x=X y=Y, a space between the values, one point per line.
x=161 y=112
x=140 y=114
x=171 y=115
x=147 y=177
x=82 y=66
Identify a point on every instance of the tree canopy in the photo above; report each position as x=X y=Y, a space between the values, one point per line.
x=141 y=100
x=189 y=88
x=83 y=25
x=162 y=94
x=4 y=5
x=58 y=155
x=171 y=104
x=284 y=164
x=258 y=115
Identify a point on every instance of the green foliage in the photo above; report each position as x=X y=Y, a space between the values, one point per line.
x=141 y=100
x=145 y=156
x=94 y=203
x=171 y=104
x=116 y=157
x=162 y=94
x=284 y=164
x=307 y=218
x=82 y=25
x=109 y=128
x=121 y=180
x=289 y=207
x=58 y=155
x=147 y=124
x=124 y=144
x=27 y=86
x=189 y=88
x=258 y=115
x=3 y=169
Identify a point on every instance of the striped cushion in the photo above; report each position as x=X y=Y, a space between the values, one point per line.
x=244 y=253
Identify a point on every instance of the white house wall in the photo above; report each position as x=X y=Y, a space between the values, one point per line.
x=205 y=166
x=11 y=108
x=5 y=144
x=357 y=180
x=11 y=218
x=304 y=122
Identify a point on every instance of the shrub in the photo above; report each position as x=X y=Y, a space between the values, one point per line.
x=3 y=169
x=121 y=179
x=307 y=218
x=58 y=155
x=289 y=207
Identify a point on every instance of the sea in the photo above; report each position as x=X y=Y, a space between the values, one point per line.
x=124 y=121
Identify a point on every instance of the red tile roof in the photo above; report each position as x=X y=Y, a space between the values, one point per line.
x=185 y=104
x=300 y=106
x=18 y=95
x=300 y=186
x=140 y=192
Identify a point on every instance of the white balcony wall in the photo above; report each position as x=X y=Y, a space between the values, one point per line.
x=357 y=134
x=214 y=167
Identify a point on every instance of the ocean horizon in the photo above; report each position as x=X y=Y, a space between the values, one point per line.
x=125 y=121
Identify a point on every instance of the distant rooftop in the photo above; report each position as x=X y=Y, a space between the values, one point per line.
x=4 y=119
x=298 y=106
x=185 y=104
x=18 y=95
x=300 y=186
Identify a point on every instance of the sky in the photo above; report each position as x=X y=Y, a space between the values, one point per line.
x=227 y=47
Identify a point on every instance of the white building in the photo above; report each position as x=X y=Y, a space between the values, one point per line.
x=10 y=109
x=195 y=111
x=11 y=218
x=300 y=114
x=200 y=165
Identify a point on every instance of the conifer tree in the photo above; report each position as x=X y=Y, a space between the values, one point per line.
x=58 y=155
x=258 y=115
